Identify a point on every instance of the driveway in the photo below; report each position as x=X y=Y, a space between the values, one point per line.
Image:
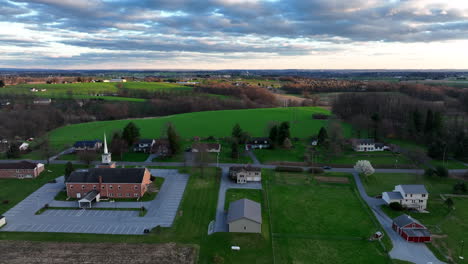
x=253 y=157
x=413 y=252
x=161 y=211
x=226 y=183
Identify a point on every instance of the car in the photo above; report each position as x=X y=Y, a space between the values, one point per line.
x=326 y=167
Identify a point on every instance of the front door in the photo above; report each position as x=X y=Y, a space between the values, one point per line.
x=78 y=195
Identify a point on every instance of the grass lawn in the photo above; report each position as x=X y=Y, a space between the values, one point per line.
x=131 y=156
x=204 y=124
x=15 y=190
x=449 y=164
x=237 y=194
x=381 y=182
x=386 y=159
x=295 y=154
x=319 y=223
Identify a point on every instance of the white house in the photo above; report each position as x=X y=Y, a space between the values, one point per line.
x=410 y=196
x=117 y=80
x=367 y=144
x=23 y=146
x=2 y=220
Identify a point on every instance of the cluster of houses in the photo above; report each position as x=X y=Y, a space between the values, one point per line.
x=35 y=90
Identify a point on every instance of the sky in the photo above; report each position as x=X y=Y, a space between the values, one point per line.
x=234 y=34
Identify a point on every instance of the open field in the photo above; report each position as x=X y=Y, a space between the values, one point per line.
x=331 y=226
x=209 y=123
x=17 y=252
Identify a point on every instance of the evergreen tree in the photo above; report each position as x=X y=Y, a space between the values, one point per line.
x=68 y=170
x=235 y=150
x=237 y=132
x=274 y=134
x=174 y=139
x=437 y=149
x=437 y=124
x=322 y=137
x=283 y=132
x=417 y=122
x=131 y=133
x=376 y=119
x=428 y=126
x=287 y=143
x=13 y=151
x=460 y=147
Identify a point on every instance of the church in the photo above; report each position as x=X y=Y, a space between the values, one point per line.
x=107 y=181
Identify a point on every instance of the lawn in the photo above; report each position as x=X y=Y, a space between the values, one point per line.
x=386 y=182
x=449 y=164
x=319 y=223
x=15 y=190
x=203 y=124
x=237 y=194
x=295 y=154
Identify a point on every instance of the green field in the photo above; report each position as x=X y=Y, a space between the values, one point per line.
x=209 y=123
x=319 y=223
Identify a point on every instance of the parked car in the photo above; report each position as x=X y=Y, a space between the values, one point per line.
x=326 y=167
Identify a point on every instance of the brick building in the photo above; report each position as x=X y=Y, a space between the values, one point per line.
x=21 y=170
x=110 y=182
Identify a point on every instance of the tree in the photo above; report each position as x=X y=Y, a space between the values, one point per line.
x=173 y=138
x=2 y=83
x=437 y=150
x=118 y=145
x=376 y=120
x=273 y=134
x=437 y=124
x=13 y=151
x=46 y=150
x=131 y=133
x=441 y=171
x=68 y=170
x=335 y=139
x=396 y=206
x=459 y=187
x=237 y=132
x=322 y=137
x=460 y=147
x=449 y=203
x=287 y=143
x=429 y=126
x=429 y=172
x=364 y=167
x=283 y=132
x=417 y=122
x=234 y=149
x=87 y=157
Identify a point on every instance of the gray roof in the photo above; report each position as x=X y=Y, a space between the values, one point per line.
x=404 y=220
x=414 y=188
x=394 y=195
x=244 y=208
x=109 y=175
x=145 y=141
x=243 y=168
x=22 y=165
x=90 y=196
x=417 y=232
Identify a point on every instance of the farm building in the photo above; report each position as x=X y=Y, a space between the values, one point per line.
x=258 y=143
x=162 y=148
x=244 y=174
x=21 y=170
x=87 y=145
x=206 y=147
x=143 y=145
x=367 y=144
x=410 y=229
x=412 y=196
x=245 y=216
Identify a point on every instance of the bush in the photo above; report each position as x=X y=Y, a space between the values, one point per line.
x=288 y=169
x=6 y=201
x=153 y=178
x=459 y=187
x=429 y=172
x=396 y=206
x=316 y=170
x=441 y=171
x=217 y=259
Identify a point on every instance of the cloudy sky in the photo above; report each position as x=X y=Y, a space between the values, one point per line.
x=234 y=34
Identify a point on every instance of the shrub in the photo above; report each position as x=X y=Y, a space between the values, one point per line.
x=396 y=206
x=288 y=169
x=6 y=201
x=441 y=171
x=459 y=187
x=217 y=259
x=316 y=170
x=429 y=172
x=153 y=178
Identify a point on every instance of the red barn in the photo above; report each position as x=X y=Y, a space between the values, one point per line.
x=410 y=229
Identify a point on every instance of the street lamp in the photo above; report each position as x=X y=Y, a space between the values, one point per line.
x=461 y=250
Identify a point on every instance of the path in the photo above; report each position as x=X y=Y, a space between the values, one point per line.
x=414 y=252
x=65 y=152
x=226 y=183
x=253 y=157
x=161 y=211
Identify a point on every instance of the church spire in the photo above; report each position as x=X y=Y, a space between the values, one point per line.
x=105 y=144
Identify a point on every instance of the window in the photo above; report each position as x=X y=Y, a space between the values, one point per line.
x=135 y=187
x=423 y=195
x=411 y=195
x=103 y=187
x=71 y=186
x=245 y=228
x=111 y=195
x=128 y=195
x=94 y=187
x=135 y=194
x=120 y=195
x=110 y=187
x=118 y=187
x=82 y=187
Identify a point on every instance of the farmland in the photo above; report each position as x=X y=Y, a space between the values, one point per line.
x=203 y=124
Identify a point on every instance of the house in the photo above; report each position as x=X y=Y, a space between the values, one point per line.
x=21 y=170
x=108 y=182
x=258 y=143
x=87 y=145
x=143 y=145
x=24 y=146
x=314 y=142
x=116 y=80
x=245 y=216
x=409 y=196
x=42 y=101
x=162 y=148
x=2 y=220
x=410 y=229
x=244 y=174
x=367 y=144
x=206 y=147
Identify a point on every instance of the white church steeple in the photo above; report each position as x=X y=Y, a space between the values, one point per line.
x=106 y=156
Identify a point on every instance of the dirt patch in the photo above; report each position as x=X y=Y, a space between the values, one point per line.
x=16 y=252
x=332 y=179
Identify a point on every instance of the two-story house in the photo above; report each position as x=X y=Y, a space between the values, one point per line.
x=143 y=145
x=367 y=144
x=244 y=174
x=258 y=143
x=410 y=196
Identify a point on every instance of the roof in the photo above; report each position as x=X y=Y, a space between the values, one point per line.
x=86 y=143
x=244 y=208
x=417 y=232
x=364 y=140
x=109 y=175
x=258 y=140
x=145 y=141
x=413 y=188
x=404 y=220
x=18 y=165
x=394 y=195
x=244 y=168
x=90 y=196
x=161 y=142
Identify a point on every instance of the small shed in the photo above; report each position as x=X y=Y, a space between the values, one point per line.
x=88 y=199
x=2 y=220
x=411 y=229
x=245 y=216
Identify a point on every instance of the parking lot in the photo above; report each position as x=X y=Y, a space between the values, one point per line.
x=161 y=211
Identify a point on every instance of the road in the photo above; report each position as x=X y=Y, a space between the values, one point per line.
x=413 y=252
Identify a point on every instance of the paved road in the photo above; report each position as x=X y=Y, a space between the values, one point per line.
x=67 y=151
x=414 y=252
x=161 y=211
x=226 y=183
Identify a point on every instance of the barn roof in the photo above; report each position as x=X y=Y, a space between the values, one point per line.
x=109 y=175
x=244 y=208
x=404 y=220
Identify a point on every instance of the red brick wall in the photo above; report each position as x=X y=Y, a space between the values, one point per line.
x=15 y=173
